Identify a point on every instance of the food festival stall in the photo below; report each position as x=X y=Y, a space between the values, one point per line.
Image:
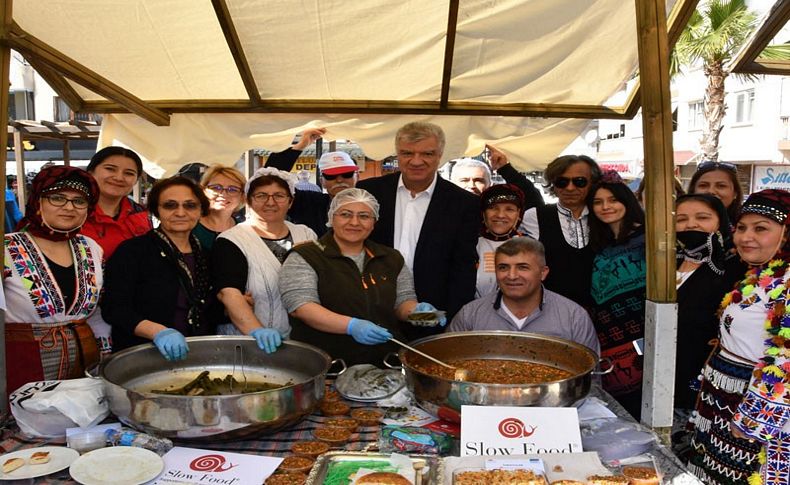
x=236 y=70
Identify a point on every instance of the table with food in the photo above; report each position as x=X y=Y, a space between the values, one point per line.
x=394 y=424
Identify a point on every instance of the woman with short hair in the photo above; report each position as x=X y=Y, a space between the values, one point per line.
x=158 y=285
x=224 y=187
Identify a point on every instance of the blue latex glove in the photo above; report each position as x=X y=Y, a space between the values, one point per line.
x=171 y=343
x=268 y=339
x=367 y=333
x=427 y=307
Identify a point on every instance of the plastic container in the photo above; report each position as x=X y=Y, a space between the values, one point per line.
x=130 y=437
x=87 y=441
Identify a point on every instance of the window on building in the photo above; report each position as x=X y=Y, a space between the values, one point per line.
x=744 y=106
x=21 y=106
x=675 y=119
x=62 y=110
x=696 y=115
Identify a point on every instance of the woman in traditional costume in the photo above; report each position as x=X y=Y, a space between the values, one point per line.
x=741 y=422
x=52 y=276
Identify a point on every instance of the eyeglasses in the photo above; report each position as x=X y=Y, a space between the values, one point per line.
x=348 y=215
x=346 y=175
x=59 y=200
x=706 y=166
x=230 y=190
x=263 y=197
x=172 y=205
x=562 y=182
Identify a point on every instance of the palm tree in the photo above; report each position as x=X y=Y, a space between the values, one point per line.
x=714 y=34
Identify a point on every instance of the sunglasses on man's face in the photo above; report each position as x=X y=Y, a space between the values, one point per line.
x=708 y=166
x=579 y=182
x=346 y=175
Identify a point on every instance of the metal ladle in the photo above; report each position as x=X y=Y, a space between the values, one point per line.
x=460 y=374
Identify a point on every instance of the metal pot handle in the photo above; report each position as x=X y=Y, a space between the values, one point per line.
x=603 y=372
x=92 y=372
x=343 y=366
x=386 y=361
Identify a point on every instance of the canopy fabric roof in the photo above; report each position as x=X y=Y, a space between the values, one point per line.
x=212 y=79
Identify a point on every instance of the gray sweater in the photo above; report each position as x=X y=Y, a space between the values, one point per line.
x=556 y=316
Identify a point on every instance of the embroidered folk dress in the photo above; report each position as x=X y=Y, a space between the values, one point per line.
x=739 y=389
x=45 y=339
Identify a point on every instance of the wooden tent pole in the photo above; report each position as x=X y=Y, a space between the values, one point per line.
x=6 y=7
x=661 y=311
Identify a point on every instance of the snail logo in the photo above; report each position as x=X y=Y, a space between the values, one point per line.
x=210 y=463
x=514 y=428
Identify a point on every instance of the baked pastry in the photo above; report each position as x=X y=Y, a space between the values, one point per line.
x=309 y=449
x=641 y=475
x=607 y=480
x=12 y=464
x=296 y=464
x=333 y=436
x=499 y=477
x=39 y=458
x=286 y=479
x=383 y=478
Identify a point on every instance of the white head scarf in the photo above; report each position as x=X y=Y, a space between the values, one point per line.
x=288 y=177
x=350 y=196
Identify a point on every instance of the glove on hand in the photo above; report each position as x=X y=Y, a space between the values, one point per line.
x=171 y=343
x=268 y=339
x=427 y=307
x=367 y=333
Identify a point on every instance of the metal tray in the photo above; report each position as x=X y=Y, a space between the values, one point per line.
x=434 y=465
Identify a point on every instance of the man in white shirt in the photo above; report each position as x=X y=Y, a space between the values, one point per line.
x=563 y=228
x=522 y=304
x=433 y=223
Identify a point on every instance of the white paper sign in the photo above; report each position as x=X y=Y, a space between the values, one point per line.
x=770 y=177
x=495 y=430
x=206 y=467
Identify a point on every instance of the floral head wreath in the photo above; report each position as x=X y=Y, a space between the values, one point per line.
x=288 y=177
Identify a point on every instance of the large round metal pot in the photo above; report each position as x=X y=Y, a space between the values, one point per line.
x=131 y=374
x=445 y=397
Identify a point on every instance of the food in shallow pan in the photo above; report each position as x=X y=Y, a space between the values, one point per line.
x=496 y=371
x=498 y=477
x=310 y=449
x=205 y=385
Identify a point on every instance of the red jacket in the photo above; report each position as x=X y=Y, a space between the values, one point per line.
x=133 y=220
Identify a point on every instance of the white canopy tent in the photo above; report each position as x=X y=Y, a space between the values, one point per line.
x=208 y=80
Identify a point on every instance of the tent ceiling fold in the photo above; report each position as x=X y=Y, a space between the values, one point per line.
x=748 y=60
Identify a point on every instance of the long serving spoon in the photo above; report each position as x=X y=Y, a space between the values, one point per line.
x=460 y=374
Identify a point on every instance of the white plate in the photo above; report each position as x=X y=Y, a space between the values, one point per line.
x=60 y=458
x=119 y=465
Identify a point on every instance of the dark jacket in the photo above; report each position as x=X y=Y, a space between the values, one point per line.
x=532 y=196
x=444 y=260
x=369 y=295
x=141 y=284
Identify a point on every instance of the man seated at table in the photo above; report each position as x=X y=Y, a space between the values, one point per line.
x=522 y=304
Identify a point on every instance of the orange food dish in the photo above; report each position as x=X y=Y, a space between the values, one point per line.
x=296 y=464
x=309 y=449
x=333 y=436
x=286 y=479
x=496 y=371
x=334 y=408
x=367 y=417
x=348 y=423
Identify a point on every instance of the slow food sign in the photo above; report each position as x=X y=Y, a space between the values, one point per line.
x=495 y=430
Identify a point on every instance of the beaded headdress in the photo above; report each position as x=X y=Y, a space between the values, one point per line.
x=771 y=203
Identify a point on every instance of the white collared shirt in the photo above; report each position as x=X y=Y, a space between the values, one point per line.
x=409 y=215
x=575 y=231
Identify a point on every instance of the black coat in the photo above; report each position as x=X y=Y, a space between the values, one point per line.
x=141 y=284
x=446 y=253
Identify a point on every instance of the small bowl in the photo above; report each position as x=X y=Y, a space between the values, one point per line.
x=333 y=436
x=87 y=441
x=286 y=479
x=368 y=416
x=296 y=464
x=309 y=449
x=350 y=424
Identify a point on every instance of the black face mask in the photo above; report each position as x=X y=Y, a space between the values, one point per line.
x=701 y=247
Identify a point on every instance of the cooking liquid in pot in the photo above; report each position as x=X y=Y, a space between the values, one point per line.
x=497 y=371
x=205 y=385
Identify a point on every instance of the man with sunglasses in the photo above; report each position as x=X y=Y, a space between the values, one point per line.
x=563 y=227
x=338 y=172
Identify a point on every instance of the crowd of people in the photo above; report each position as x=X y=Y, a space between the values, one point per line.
x=88 y=273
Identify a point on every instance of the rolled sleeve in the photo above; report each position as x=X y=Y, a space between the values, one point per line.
x=405 y=288
x=298 y=283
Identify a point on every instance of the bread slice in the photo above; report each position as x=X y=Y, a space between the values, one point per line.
x=12 y=464
x=39 y=458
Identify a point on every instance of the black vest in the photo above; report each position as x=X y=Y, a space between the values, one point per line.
x=570 y=269
x=369 y=295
